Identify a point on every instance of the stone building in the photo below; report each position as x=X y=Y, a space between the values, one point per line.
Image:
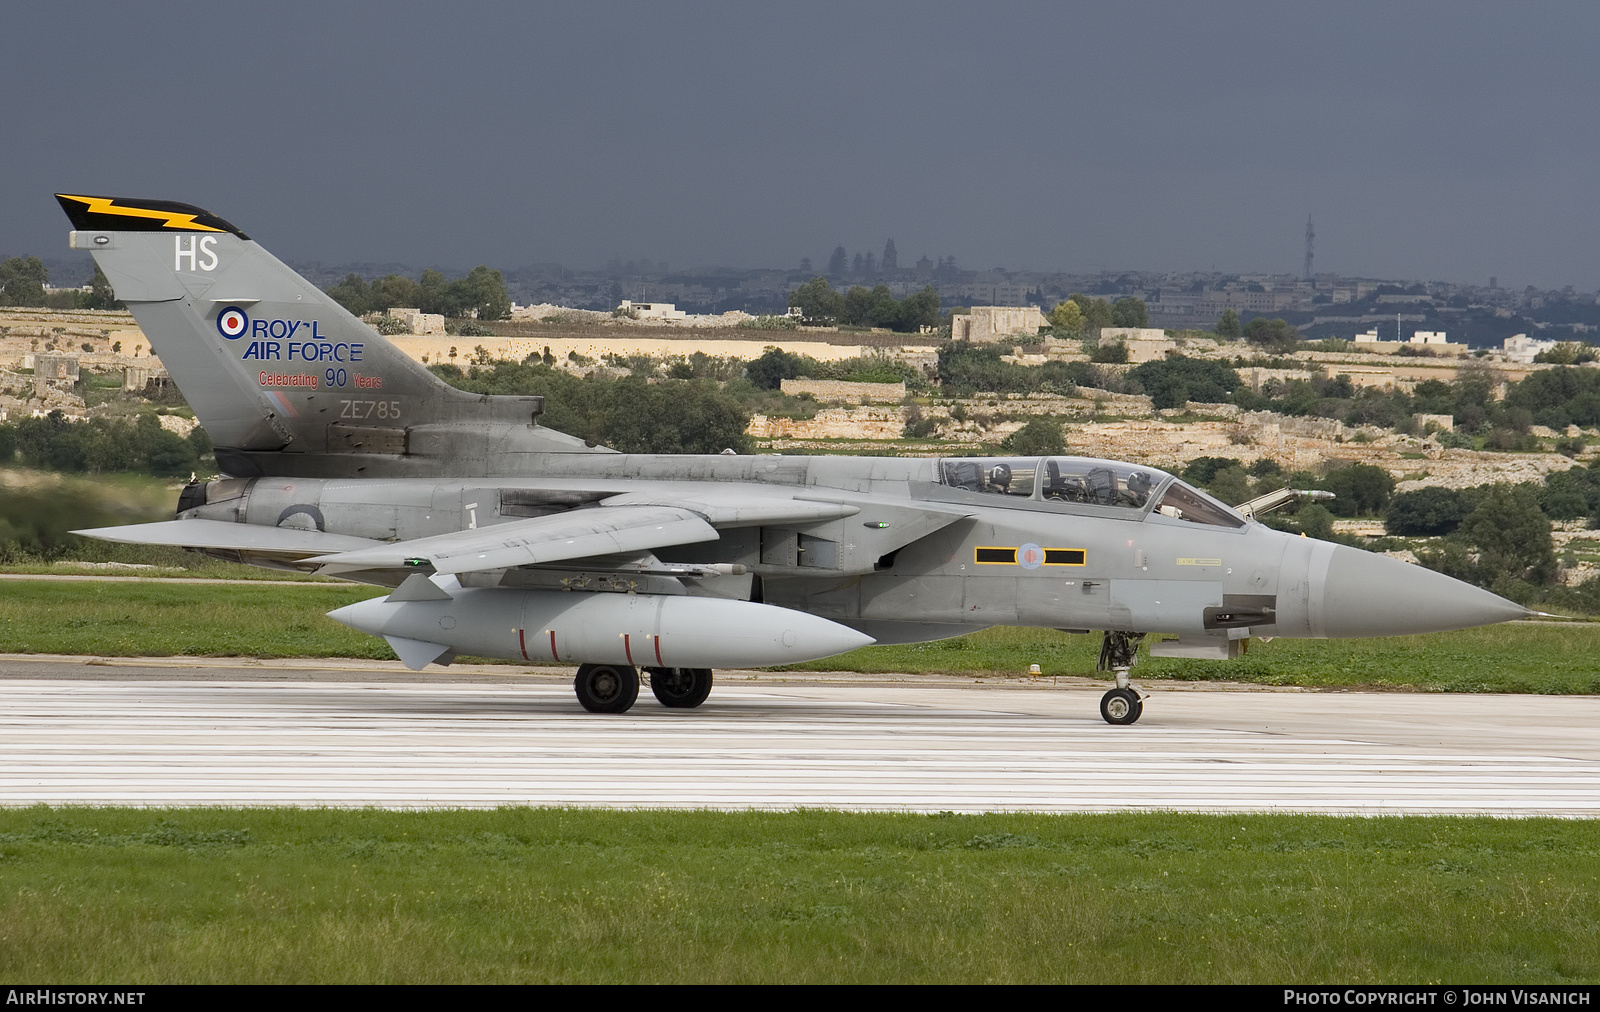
x=653 y=310
x=419 y=322
x=56 y=368
x=985 y=323
x=1522 y=348
x=1144 y=344
x=140 y=378
x=1435 y=341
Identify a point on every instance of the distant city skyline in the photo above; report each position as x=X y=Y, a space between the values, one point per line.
x=1427 y=142
x=67 y=266
x=1476 y=315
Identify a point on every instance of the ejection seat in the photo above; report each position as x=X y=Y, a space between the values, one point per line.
x=1101 y=483
x=1063 y=489
x=967 y=474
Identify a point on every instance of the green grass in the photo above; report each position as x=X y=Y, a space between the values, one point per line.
x=541 y=895
x=39 y=508
x=136 y=619
x=162 y=561
x=1521 y=657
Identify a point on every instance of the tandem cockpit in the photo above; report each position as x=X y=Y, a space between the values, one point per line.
x=1129 y=491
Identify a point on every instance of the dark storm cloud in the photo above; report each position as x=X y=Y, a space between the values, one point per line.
x=1448 y=141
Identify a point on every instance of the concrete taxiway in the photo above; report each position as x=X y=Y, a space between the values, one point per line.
x=195 y=732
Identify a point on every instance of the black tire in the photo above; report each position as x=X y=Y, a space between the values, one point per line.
x=1121 y=706
x=606 y=688
x=680 y=688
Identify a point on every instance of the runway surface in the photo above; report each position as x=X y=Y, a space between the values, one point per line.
x=147 y=734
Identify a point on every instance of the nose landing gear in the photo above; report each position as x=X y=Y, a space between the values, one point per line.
x=1121 y=706
x=1118 y=653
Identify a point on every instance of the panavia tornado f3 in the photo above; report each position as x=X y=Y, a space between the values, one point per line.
x=502 y=538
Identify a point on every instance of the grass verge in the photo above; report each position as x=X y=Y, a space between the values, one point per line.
x=134 y=619
x=137 y=619
x=542 y=895
x=1539 y=657
x=156 y=561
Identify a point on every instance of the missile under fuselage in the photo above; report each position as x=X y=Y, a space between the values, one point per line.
x=557 y=627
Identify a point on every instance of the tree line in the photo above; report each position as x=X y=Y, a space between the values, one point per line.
x=23 y=280
x=1497 y=536
x=860 y=306
x=1555 y=397
x=1081 y=315
x=102 y=445
x=776 y=365
x=482 y=293
x=629 y=413
x=965 y=368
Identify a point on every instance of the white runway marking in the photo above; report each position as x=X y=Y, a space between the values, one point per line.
x=474 y=745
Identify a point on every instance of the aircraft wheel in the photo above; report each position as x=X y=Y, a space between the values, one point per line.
x=606 y=688
x=1121 y=706
x=680 y=688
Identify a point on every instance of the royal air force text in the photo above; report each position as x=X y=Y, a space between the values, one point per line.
x=274 y=341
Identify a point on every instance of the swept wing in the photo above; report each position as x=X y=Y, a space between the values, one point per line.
x=628 y=524
x=578 y=534
x=255 y=539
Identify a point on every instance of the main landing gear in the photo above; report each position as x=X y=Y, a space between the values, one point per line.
x=1118 y=653
x=613 y=688
x=680 y=688
x=606 y=688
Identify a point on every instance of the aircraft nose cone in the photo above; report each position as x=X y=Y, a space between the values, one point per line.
x=1365 y=594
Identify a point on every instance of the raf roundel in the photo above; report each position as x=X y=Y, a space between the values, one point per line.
x=232 y=323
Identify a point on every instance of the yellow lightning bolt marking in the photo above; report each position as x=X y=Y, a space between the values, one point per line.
x=171 y=219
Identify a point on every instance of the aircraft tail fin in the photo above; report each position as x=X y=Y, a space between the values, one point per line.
x=283 y=378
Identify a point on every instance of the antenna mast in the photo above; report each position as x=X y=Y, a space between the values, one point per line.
x=1311 y=236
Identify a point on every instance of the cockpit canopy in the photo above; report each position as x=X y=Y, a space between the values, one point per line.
x=1087 y=481
x=1056 y=479
x=1181 y=502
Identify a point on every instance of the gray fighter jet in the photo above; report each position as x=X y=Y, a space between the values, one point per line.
x=502 y=538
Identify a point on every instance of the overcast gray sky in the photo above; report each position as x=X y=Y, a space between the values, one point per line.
x=1443 y=141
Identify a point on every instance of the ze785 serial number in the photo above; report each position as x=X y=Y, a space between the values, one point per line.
x=369 y=409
